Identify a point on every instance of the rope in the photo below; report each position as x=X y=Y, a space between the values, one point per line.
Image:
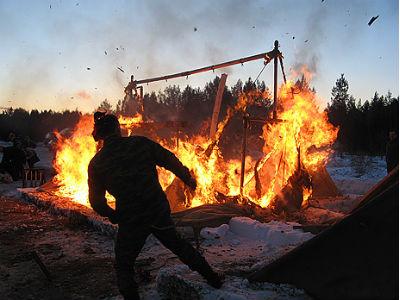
x=260 y=72
x=283 y=70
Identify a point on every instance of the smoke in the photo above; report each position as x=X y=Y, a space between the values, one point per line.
x=206 y=32
x=83 y=95
x=308 y=54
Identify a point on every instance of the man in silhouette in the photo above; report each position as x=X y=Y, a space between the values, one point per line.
x=126 y=168
x=14 y=159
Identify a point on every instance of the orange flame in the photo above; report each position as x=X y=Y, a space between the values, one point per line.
x=300 y=125
x=72 y=160
x=130 y=123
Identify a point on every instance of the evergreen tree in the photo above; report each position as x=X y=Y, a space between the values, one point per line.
x=105 y=105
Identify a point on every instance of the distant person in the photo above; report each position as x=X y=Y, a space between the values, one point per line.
x=392 y=151
x=31 y=155
x=4 y=176
x=14 y=159
x=126 y=168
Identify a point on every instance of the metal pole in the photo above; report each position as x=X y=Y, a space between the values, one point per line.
x=244 y=146
x=276 y=44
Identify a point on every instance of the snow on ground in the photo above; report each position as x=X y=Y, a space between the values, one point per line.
x=236 y=249
x=244 y=231
x=244 y=245
x=178 y=282
x=4 y=144
x=355 y=174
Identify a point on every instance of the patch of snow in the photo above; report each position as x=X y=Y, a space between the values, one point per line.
x=185 y=284
x=215 y=233
x=242 y=230
x=5 y=143
x=354 y=174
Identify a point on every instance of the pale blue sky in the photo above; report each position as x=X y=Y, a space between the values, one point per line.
x=45 y=52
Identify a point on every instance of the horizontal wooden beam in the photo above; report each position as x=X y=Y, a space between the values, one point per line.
x=267 y=56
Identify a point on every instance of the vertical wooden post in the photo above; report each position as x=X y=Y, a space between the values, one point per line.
x=139 y=99
x=217 y=105
x=244 y=148
x=177 y=138
x=276 y=44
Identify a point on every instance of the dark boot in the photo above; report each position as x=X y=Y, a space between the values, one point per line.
x=171 y=239
x=213 y=278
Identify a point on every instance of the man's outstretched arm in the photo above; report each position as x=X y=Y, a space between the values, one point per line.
x=166 y=159
x=97 y=197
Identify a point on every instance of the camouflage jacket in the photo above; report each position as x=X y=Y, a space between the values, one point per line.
x=126 y=168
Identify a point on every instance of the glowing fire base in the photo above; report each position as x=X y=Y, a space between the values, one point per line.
x=211 y=215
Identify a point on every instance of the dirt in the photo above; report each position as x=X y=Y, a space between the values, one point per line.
x=79 y=260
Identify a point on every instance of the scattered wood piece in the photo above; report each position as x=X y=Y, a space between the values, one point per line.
x=41 y=265
x=372 y=20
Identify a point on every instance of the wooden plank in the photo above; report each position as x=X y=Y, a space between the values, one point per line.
x=217 y=105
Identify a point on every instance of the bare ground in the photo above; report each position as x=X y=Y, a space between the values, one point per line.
x=79 y=260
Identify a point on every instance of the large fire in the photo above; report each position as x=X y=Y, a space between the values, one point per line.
x=302 y=134
x=299 y=139
x=72 y=160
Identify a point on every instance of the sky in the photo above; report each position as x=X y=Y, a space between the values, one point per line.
x=59 y=54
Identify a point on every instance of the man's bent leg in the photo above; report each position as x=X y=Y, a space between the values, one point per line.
x=130 y=241
x=166 y=233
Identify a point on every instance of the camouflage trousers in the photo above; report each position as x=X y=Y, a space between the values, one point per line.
x=131 y=239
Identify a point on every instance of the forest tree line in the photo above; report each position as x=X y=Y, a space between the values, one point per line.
x=364 y=125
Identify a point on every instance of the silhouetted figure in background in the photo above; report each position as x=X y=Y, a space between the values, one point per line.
x=31 y=155
x=14 y=159
x=126 y=168
x=392 y=151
